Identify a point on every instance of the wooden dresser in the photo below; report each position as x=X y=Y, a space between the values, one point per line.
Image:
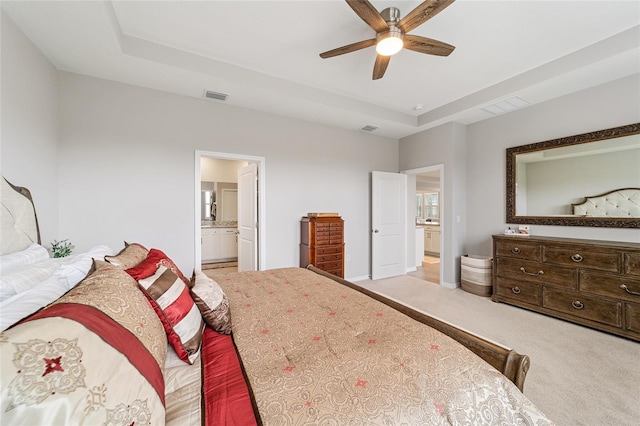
x=322 y=243
x=593 y=283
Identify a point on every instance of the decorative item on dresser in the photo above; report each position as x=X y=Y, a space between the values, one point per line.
x=322 y=242
x=593 y=283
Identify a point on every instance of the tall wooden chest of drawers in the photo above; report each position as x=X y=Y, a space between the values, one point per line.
x=593 y=283
x=322 y=243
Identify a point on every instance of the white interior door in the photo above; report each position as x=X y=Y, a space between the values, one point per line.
x=248 y=218
x=388 y=222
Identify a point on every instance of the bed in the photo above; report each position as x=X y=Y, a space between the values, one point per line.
x=623 y=202
x=134 y=341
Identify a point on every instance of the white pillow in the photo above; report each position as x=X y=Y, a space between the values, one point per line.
x=77 y=267
x=32 y=254
x=69 y=272
x=23 y=304
x=27 y=277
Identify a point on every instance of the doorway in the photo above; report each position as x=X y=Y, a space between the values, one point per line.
x=203 y=211
x=429 y=222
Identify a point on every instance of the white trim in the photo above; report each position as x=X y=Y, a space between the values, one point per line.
x=262 y=240
x=443 y=222
x=360 y=278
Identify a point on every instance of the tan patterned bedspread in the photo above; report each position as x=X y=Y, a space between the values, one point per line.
x=317 y=352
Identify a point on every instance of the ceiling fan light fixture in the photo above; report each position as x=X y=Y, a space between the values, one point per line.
x=390 y=42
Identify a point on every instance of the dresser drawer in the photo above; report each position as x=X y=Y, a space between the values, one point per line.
x=579 y=305
x=537 y=272
x=610 y=285
x=329 y=257
x=632 y=317
x=336 y=272
x=518 y=249
x=579 y=258
x=326 y=266
x=328 y=249
x=328 y=238
x=632 y=264
x=522 y=291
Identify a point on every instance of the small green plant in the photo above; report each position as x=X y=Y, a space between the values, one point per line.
x=61 y=248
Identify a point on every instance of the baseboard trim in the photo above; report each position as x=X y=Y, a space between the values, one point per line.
x=360 y=278
x=449 y=285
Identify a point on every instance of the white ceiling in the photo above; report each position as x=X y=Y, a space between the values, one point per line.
x=264 y=54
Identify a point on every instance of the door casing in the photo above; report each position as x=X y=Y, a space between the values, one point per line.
x=260 y=161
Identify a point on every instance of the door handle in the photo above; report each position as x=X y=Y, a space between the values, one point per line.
x=375 y=231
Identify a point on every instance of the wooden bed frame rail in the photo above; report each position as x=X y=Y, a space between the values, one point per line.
x=509 y=362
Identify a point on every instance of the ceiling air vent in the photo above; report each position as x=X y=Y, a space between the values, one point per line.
x=369 y=128
x=506 y=106
x=215 y=95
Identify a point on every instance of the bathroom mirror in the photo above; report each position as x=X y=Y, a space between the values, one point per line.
x=552 y=182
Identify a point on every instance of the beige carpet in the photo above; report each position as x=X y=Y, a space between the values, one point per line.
x=216 y=273
x=578 y=376
x=429 y=260
x=219 y=265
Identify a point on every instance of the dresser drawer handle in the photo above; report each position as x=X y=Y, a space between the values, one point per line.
x=516 y=290
x=534 y=274
x=577 y=258
x=625 y=288
x=577 y=304
x=515 y=250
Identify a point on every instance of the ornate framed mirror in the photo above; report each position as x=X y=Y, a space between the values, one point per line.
x=591 y=179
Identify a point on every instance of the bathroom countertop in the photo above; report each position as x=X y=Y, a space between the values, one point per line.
x=213 y=224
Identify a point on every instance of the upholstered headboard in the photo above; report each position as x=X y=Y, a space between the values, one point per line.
x=18 y=220
x=618 y=203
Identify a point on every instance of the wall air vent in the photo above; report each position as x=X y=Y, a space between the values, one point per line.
x=215 y=95
x=369 y=128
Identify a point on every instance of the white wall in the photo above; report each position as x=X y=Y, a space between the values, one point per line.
x=602 y=107
x=127 y=169
x=29 y=152
x=444 y=145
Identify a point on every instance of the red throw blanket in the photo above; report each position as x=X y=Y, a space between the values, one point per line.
x=226 y=397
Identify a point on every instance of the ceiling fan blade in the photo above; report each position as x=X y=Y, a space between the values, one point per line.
x=380 y=66
x=422 y=13
x=348 y=48
x=368 y=14
x=427 y=45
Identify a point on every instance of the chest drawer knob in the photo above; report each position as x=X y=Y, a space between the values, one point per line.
x=625 y=288
x=515 y=250
x=577 y=258
x=516 y=290
x=535 y=274
x=577 y=304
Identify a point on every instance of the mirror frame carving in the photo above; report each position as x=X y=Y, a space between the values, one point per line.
x=607 y=222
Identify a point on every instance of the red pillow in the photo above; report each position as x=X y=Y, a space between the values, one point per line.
x=149 y=266
x=168 y=292
x=177 y=311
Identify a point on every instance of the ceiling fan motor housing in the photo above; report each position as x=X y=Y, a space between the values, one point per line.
x=391 y=15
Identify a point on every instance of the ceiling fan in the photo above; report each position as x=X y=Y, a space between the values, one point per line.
x=391 y=32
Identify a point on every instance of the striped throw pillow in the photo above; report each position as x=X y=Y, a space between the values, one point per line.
x=180 y=316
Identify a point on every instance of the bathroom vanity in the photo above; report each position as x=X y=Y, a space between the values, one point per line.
x=219 y=243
